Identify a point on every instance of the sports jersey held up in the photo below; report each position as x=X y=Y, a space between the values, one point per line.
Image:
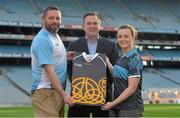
x=89 y=79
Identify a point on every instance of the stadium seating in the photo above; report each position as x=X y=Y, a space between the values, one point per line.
x=173 y=7
x=14 y=51
x=172 y=73
x=143 y=14
x=166 y=55
x=11 y=95
x=152 y=78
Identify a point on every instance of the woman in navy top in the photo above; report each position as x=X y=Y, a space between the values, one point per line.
x=127 y=74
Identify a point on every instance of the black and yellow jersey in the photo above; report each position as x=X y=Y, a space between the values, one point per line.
x=89 y=79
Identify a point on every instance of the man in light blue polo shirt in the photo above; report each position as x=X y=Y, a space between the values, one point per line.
x=49 y=64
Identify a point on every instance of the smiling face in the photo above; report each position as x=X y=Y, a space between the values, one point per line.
x=125 y=39
x=52 y=20
x=91 y=26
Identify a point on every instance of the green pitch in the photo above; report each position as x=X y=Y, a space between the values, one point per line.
x=162 y=110
x=151 y=110
x=16 y=111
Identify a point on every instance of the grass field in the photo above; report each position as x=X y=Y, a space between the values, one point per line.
x=153 y=110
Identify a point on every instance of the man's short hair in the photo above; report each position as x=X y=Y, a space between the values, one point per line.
x=91 y=14
x=51 y=7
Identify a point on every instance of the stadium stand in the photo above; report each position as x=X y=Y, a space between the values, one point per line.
x=145 y=15
x=15 y=85
x=172 y=7
x=158 y=43
x=166 y=55
x=11 y=51
x=153 y=78
x=156 y=16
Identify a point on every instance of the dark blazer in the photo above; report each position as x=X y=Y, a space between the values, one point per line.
x=104 y=46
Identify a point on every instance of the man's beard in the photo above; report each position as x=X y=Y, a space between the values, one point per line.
x=52 y=29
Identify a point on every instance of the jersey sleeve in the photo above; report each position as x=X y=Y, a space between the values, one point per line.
x=44 y=52
x=135 y=67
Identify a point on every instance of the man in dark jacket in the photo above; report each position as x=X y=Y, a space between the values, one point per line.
x=92 y=43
